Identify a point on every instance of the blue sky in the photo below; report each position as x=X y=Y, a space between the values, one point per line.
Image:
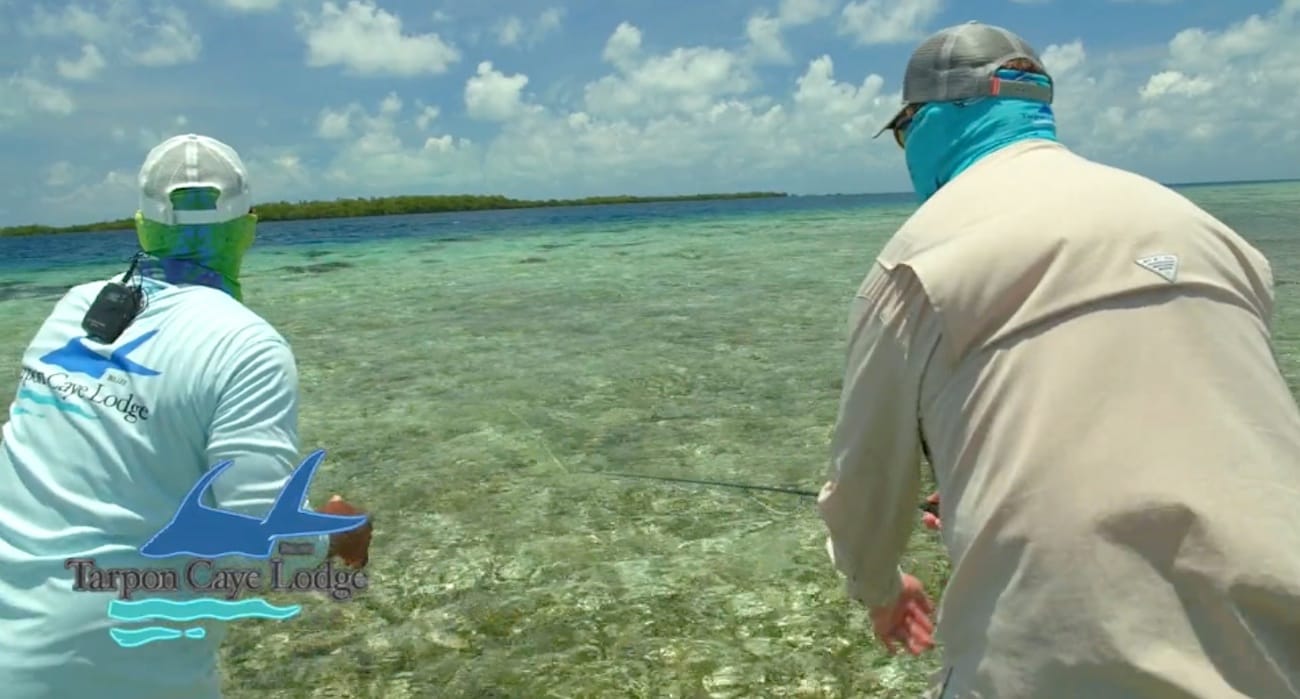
x=576 y=98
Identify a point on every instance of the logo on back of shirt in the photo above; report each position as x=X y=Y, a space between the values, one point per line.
x=207 y=534
x=84 y=381
x=77 y=358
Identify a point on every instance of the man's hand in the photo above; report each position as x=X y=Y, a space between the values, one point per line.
x=906 y=621
x=931 y=519
x=353 y=547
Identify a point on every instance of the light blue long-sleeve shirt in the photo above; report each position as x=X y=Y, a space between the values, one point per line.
x=96 y=457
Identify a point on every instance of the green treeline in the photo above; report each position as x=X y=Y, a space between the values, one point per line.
x=393 y=206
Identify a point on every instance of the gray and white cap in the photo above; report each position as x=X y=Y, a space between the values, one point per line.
x=961 y=62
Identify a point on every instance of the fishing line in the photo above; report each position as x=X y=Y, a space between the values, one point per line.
x=541 y=440
x=716 y=484
x=929 y=507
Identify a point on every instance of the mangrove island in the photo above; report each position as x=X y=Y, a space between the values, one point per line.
x=396 y=206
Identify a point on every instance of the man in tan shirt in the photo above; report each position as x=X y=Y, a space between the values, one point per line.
x=1085 y=356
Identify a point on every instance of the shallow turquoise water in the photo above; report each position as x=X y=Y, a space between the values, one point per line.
x=465 y=383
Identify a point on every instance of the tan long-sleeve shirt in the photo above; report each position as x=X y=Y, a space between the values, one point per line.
x=1088 y=356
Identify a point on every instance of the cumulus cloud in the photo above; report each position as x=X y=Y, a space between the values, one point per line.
x=766 y=43
x=143 y=33
x=428 y=114
x=85 y=67
x=114 y=194
x=794 y=13
x=659 y=114
x=685 y=80
x=363 y=38
x=656 y=116
x=1238 y=80
x=765 y=31
x=692 y=117
x=888 y=21
x=491 y=95
x=517 y=32
x=388 y=150
x=249 y=5
x=23 y=96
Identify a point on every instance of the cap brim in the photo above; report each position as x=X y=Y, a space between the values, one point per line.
x=892 y=122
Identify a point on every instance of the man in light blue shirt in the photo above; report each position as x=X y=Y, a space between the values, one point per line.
x=112 y=426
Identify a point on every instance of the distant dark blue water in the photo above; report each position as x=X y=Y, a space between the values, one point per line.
x=70 y=249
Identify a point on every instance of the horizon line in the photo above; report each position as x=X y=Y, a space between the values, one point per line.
x=1189 y=183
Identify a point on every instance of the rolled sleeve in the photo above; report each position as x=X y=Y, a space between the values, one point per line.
x=869 y=503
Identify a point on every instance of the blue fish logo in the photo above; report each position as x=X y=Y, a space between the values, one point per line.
x=207 y=532
x=77 y=358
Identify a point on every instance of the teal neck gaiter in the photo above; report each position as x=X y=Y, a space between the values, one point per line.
x=945 y=138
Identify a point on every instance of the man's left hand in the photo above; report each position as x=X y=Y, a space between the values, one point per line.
x=906 y=622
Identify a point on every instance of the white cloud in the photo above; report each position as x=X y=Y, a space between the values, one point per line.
x=888 y=21
x=113 y=195
x=825 y=124
x=765 y=32
x=367 y=40
x=491 y=95
x=765 y=41
x=550 y=20
x=175 y=42
x=1061 y=59
x=555 y=152
x=690 y=118
x=623 y=46
x=1174 y=82
x=682 y=80
x=23 y=96
x=75 y=20
x=335 y=124
x=249 y=5
x=85 y=67
x=513 y=31
x=375 y=157
x=1237 y=80
x=799 y=12
x=153 y=34
x=428 y=114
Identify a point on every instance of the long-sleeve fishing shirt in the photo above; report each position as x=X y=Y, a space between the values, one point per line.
x=1088 y=356
x=101 y=446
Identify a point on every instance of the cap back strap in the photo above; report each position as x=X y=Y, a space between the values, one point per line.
x=1016 y=89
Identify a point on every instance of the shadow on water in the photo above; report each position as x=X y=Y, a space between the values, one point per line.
x=13 y=291
x=317 y=268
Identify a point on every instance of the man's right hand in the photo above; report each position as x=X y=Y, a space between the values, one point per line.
x=352 y=547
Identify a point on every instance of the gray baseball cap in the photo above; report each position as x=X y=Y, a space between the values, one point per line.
x=961 y=62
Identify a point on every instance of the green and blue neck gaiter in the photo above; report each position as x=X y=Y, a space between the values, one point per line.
x=208 y=254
